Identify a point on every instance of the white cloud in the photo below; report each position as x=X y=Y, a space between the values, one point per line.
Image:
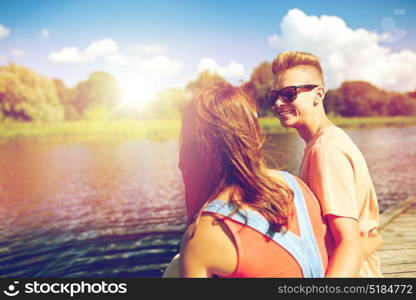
x=94 y=50
x=160 y=66
x=44 y=33
x=233 y=69
x=4 y=31
x=116 y=59
x=208 y=64
x=111 y=53
x=139 y=73
x=123 y=59
x=68 y=55
x=347 y=54
x=101 y=48
x=18 y=52
x=136 y=54
x=148 y=49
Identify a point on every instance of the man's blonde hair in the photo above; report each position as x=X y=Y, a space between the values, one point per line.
x=290 y=59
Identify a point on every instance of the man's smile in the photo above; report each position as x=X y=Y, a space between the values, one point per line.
x=285 y=111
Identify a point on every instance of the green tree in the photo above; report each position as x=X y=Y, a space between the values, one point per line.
x=99 y=92
x=334 y=102
x=362 y=99
x=65 y=95
x=402 y=105
x=96 y=112
x=259 y=84
x=167 y=105
x=27 y=96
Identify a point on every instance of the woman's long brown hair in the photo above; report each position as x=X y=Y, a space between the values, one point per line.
x=221 y=148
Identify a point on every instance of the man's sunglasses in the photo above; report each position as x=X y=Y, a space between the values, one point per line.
x=287 y=94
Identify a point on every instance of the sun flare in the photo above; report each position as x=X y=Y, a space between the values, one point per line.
x=138 y=92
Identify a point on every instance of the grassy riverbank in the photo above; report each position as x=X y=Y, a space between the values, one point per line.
x=156 y=129
x=87 y=130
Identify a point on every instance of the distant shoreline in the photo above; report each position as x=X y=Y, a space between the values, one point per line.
x=157 y=129
x=272 y=125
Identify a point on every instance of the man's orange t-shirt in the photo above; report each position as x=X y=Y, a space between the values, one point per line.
x=336 y=171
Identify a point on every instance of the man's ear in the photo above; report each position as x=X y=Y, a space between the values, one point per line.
x=320 y=95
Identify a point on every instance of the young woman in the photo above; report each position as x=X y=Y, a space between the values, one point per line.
x=244 y=219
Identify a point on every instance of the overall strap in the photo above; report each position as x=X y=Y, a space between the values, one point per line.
x=311 y=253
x=245 y=216
x=298 y=247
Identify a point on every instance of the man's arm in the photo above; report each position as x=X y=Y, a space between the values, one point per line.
x=332 y=179
x=347 y=257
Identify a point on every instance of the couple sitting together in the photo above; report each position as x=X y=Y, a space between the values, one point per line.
x=246 y=220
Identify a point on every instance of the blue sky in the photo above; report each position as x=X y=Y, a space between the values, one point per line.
x=171 y=41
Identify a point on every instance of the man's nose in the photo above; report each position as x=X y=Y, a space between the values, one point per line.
x=279 y=103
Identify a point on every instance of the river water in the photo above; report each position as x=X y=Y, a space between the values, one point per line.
x=116 y=209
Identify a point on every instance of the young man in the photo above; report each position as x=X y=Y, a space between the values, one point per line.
x=332 y=166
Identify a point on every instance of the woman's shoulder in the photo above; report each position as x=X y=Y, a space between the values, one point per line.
x=274 y=173
x=209 y=239
x=210 y=229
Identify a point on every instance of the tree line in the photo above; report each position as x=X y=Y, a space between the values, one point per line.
x=351 y=99
x=27 y=96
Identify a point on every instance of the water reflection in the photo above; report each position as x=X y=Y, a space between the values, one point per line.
x=115 y=209
x=89 y=209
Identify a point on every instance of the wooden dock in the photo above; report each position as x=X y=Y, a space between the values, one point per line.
x=398 y=229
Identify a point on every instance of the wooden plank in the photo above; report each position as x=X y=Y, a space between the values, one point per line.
x=393 y=212
x=401 y=275
x=399 y=246
x=394 y=239
x=398 y=229
x=394 y=260
x=406 y=218
x=395 y=229
x=405 y=221
x=396 y=236
x=407 y=228
x=389 y=239
x=385 y=269
x=396 y=233
x=407 y=253
x=409 y=218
